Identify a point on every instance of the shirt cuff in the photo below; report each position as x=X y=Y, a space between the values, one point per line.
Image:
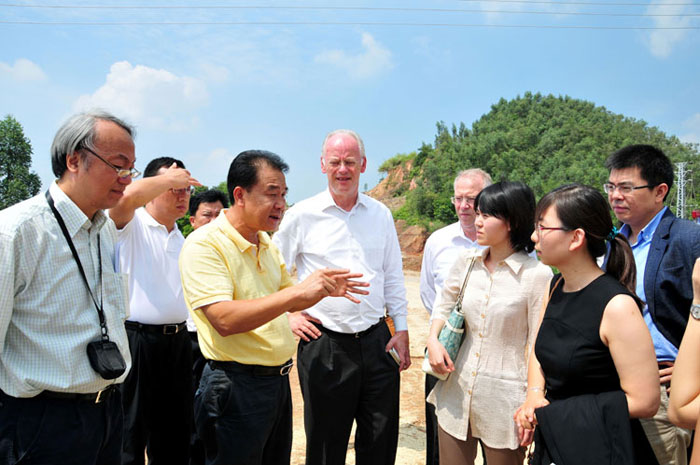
x=199 y=303
x=400 y=323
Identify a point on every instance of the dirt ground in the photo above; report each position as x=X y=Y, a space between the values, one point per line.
x=411 y=449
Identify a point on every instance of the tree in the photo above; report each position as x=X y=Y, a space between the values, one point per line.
x=544 y=141
x=16 y=181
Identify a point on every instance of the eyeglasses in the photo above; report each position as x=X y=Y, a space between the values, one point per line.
x=349 y=163
x=624 y=189
x=183 y=191
x=121 y=172
x=460 y=200
x=539 y=229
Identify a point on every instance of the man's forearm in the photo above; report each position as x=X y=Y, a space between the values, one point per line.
x=240 y=316
x=136 y=195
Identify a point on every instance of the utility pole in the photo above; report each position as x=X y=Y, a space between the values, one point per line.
x=680 y=193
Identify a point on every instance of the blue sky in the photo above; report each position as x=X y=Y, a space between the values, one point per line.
x=205 y=92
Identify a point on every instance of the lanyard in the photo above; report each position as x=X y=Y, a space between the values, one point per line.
x=62 y=224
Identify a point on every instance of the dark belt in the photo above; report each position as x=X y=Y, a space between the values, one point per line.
x=96 y=397
x=159 y=329
x=666 y=364
x=255 y=370
x=352 y=335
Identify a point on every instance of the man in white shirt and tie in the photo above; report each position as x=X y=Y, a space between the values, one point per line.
x=346 y=373
x=440 y=251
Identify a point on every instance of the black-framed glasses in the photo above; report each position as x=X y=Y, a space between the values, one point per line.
x=624 y=189
x=121 y=172
x=460 y=200
x=539 y=229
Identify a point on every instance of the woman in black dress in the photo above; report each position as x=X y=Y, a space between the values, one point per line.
x=593 y=367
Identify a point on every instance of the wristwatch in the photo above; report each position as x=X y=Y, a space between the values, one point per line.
x=695 y=311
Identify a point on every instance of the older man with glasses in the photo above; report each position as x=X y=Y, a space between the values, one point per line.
x=157 y=394
x=440 y=251
x=61 y=299
x=665 y=249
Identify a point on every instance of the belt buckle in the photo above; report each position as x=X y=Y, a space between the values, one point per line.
x=284 y=371
x=100 y=395
x=170 y=329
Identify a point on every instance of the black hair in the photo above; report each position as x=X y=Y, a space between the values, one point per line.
x=243 y=171
x=654 y=166
x=207 y=196
x=580 y=206
x=158 y=163
x=514 y=203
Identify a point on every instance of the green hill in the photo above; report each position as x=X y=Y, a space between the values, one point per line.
x=544 y=141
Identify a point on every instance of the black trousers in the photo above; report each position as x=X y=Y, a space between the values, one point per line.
x=432 y=450
x=198 y=363
x=157 y=397
x=43 y=431
x=244 y=419
x=345 y=378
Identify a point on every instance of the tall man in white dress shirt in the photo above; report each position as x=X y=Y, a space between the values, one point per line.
x=157 y=395
x=54 y=407
x=440 y=251
x=344 y=369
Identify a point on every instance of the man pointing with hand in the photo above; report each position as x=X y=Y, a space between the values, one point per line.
x=238 y=292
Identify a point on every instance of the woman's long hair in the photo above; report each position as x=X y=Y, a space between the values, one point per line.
x=580 y=206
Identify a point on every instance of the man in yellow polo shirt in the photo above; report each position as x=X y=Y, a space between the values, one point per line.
x=238 y=291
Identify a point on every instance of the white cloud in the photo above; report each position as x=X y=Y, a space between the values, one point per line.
x=661 y=42
x=693 y=126
x=149 y=97
x=23 y=71
x=374 y=60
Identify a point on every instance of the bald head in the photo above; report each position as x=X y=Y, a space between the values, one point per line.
x=342 y=161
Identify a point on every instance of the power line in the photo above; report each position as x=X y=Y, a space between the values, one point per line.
x=335 y=23
x=335 y=8
x=544 y=2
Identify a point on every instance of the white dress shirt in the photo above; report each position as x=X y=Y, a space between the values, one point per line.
x=47 y=317
x=440 y=252
x=316 y=233
x=149 y=254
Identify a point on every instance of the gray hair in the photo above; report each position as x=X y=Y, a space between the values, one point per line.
x=474 y=173
x=349 y=132
x=79 y=132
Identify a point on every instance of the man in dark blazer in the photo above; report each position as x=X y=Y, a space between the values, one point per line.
x=665 y=248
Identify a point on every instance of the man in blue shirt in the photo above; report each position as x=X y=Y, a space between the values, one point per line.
x=665 y=248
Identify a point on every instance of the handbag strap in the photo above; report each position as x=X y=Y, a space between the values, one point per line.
x=551 y=293
x=464 y=283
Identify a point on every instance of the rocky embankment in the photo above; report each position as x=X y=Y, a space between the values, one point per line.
x=411 y=238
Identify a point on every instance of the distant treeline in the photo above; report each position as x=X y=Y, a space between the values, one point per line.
x=544 y=141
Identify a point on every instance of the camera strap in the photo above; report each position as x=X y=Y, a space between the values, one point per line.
x=99 y=308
